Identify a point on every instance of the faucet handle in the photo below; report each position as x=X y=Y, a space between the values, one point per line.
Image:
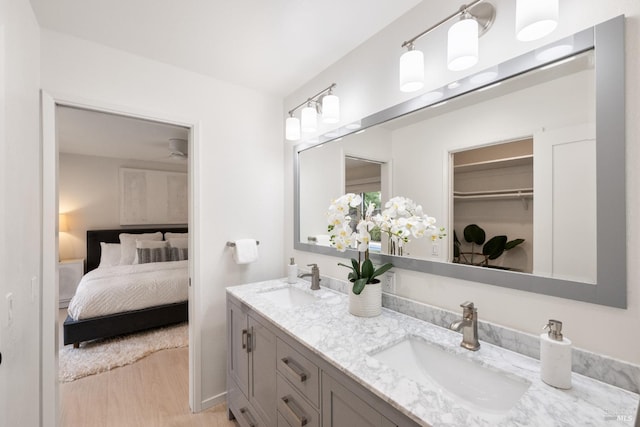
x=313 y=266
x=467 y=305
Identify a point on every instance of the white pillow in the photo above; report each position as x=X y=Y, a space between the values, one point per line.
x=179 y=242
x=169 y=235
x=109 y=254
x=128 y=248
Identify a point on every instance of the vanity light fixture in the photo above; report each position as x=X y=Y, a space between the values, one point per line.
x=462 y=44
x=462 y=52
x=323 y=102
x=292 y=128
x=309 y=119
x=535 y=18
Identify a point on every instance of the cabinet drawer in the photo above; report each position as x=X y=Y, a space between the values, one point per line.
x=295 y=410
x=302 y=373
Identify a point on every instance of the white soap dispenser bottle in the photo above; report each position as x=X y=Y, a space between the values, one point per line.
x=292 y=271
x=555 y=356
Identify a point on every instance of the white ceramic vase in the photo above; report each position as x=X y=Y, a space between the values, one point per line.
x=368 y=303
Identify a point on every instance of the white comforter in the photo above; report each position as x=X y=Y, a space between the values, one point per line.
x=109 y=290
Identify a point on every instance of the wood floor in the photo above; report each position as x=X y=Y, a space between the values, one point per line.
x=152 y=392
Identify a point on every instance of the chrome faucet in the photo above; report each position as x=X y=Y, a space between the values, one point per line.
x=469 y=326
x=315 y=276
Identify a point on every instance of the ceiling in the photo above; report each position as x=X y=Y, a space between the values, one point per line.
x=94 y=133
x=273 y=46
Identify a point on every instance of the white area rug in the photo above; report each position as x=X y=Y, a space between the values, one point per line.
x=98 y=356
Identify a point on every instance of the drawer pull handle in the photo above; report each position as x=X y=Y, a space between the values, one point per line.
x=247 y=416
x=246 y=340
x=295 y=369
x=293 y=409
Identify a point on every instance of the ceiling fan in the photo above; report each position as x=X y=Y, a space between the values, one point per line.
x=178 y=148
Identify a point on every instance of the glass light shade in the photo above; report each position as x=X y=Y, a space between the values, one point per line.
x=330 y=109
x=292 y=129
x=462 y=50
x=411 y=71
x=309 y=119
x=535 y=18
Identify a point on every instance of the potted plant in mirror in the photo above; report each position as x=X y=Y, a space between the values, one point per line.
x=365 y=296
x=491 y=250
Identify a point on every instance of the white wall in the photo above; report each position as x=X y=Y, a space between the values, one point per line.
x=368 y=82
x=89 y=195
x=20 y=210
x=239 y=158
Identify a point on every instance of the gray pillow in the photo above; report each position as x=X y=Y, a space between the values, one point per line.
x=179 y=254
x=147 y=255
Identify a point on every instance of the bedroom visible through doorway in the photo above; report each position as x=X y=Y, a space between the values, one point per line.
x=123 y=200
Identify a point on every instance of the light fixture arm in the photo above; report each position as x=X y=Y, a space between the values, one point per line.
x=315 y=98
x=484 y=20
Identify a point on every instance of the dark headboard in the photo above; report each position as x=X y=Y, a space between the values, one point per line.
x=94 y=237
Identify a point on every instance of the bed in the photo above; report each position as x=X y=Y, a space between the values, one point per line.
x=109 y=325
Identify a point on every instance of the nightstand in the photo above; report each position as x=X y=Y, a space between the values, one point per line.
x=70 y=272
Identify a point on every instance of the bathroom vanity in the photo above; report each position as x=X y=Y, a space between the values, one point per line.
x=296 y=357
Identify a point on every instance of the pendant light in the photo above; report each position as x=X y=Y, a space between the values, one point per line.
x=535 y=18
x=309 y=119
x=330 y=108
x=292 y=128
x=462 y=50
x=411 y=70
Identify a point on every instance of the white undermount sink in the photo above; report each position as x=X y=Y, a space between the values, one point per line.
x=488 y=391
x=288 y=297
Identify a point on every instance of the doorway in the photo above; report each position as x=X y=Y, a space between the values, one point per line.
x=50 y=243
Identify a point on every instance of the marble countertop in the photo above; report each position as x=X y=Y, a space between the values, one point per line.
x=326 y=328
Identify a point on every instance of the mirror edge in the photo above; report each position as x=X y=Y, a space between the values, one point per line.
x=611 y=287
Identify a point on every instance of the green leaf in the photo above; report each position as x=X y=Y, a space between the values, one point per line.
x=382 y=269
x=512 y=244
x=474 y=234
x=356 y=267
x=353 y=272
x=494 y=247
x=367 y=269
x=359 y=285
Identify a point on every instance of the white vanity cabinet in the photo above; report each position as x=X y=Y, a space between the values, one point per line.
x=274 y=380
x=251 y=374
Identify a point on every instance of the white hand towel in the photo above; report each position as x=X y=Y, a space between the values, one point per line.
x=245 y=251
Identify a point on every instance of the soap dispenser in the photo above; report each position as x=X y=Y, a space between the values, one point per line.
x=292 y=271
x=555 y=356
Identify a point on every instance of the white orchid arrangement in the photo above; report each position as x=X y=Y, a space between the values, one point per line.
x=402 y=219
x=343 y=237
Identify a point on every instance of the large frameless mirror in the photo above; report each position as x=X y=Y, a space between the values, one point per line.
x=522 y=164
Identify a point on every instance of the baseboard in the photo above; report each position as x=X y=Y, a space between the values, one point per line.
x=214 y=400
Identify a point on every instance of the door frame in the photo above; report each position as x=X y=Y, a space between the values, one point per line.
x=49 y=396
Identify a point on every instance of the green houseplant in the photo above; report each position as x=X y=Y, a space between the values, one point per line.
x=491 y=249
x=342 y=236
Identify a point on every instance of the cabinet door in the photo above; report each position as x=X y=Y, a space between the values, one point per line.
x=237 y=341
x=262 y=390
x=341 y=407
